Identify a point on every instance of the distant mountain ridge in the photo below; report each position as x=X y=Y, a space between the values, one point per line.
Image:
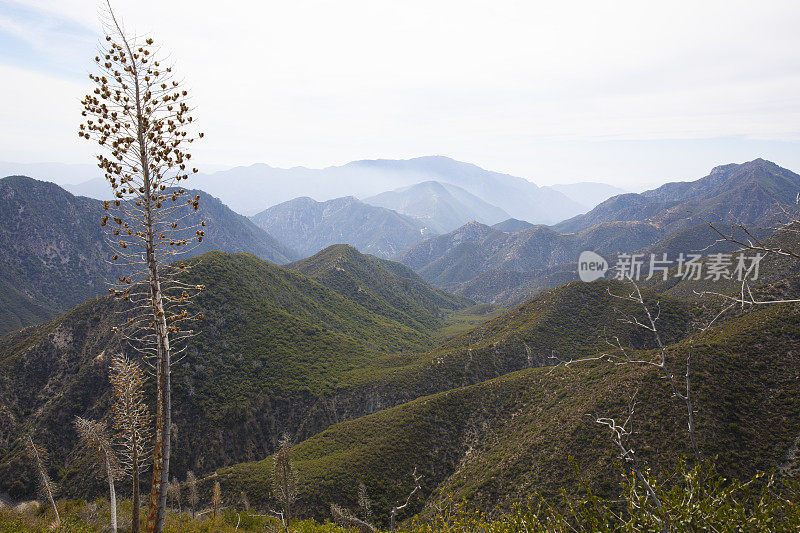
x=250 y=190
x=55 y=254
x=458 y=256
x=512 y=225
x=513 y=256
x=442 y=207
x=310 y=226
x=482 y=263
x=519 y=197
x=753 y=193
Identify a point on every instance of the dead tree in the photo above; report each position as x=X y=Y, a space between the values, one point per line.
x=216 y=498
x=132 y=424
x=141 y=118
x=747 y=239
x=347 y=520
x=96 y=446
x=191 y=486
x=620 y=437
x=396 y=508
x=38 y=456
x=681 y=389
x=364 y=504
x=285 y=481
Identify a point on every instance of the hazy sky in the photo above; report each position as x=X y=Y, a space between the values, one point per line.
x=631 y=93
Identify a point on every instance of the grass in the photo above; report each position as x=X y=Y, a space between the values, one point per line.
x=463 y=320
x=694 y=499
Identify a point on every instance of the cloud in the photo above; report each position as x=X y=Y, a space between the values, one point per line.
x=323 y=82
x=40 y=39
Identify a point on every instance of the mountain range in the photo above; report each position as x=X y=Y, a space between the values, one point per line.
x=250 y=190
x=55 y=254
x=499 y=260
x=375 y=370
x=494 y=265
x=520 y=198
x=458 y=256
x=755 y=193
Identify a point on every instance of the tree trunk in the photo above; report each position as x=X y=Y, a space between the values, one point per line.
x=45 y=480
x=112 y=496
x=161 y=448
x=52 y=503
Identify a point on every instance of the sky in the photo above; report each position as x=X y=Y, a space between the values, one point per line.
x=629 y=93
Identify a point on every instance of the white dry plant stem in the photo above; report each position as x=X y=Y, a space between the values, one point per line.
x=620 y=436
x=97 y=448
x=38 y=456
x=174 y=493
x=191 y=486
x=216 y=498
x=417 y=478
x=284 y=481
x=132 y=424
x=364 y=503
x=748 y=240
x=348 y=520
x=140 y=115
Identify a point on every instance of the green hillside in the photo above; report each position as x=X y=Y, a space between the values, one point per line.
x=384 y=287
x=367 y=397
x=280 y=352
x=518 y=434
x=273 y=346
x=18 y=310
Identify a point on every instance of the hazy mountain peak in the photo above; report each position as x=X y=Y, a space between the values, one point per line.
x=439 y=206
x=512 y=225
x=310 y=226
